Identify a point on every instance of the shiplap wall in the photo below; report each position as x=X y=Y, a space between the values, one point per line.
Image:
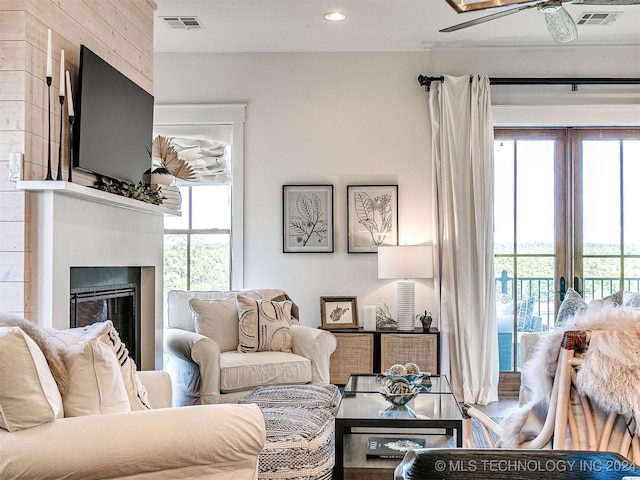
x=119 y=31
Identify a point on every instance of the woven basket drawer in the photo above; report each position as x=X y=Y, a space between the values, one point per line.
x=404 y=348
x=354 y=354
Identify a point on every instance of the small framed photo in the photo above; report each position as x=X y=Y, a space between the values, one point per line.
x=307 y=212
x=372 y=217
x=339 y=312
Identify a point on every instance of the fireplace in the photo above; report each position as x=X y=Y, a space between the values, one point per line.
x=75 y=229
x=98 y=294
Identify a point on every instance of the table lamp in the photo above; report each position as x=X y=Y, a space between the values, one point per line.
x=406 y=262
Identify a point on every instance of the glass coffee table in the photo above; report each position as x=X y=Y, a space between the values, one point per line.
x=364 y=412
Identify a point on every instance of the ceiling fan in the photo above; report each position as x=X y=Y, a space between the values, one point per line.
x=560 y=24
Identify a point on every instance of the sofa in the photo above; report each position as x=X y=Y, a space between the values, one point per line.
x=73 y=406
x=209 y=354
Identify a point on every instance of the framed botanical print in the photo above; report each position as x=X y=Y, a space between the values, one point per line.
x=372 y=217
x=339 y=312
x=307 y=212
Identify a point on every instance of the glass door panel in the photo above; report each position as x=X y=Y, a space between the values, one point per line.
x=631 y=195
x=535 y=208
x=608 y=251
x=525 y=215
x=601 y=197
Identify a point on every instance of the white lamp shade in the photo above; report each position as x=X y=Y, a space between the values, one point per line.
x=406 y=261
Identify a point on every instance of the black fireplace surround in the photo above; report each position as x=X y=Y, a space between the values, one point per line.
x=98 y=294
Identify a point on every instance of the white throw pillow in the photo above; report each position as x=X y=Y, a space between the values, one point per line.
x=218 y=320
x=106 y=333
x=95 y=384
x=29 y=395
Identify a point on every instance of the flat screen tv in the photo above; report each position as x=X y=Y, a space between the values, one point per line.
x=113 y=124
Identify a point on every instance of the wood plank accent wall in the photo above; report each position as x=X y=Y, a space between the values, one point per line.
x=119 y=31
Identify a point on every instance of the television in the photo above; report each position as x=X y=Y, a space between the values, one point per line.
x=113 y=123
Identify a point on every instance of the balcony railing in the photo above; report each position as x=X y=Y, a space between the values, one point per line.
x=541 y=288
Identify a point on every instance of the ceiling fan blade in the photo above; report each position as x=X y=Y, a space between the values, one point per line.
x=606 y=2
x=488 y=18
x=561 y=26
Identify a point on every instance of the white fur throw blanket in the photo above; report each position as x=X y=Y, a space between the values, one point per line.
x=609 y=375
x=54 y=360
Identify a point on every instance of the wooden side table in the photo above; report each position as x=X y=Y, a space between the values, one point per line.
x=363 y=351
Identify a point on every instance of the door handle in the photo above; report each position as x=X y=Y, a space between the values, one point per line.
x=563 y=288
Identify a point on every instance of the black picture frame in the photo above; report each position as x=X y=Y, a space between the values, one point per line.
x=307 y=219
x=372 y=217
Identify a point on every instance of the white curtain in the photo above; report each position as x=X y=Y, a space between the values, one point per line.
x=462 y=155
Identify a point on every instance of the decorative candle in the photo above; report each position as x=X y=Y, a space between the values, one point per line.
x=69 y=96
x=62 y=72
x=49 y=54
x=369 y=317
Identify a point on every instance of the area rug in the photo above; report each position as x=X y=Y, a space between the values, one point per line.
x=478 y=436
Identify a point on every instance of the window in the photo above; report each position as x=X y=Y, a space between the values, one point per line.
x=564 y=203
x=203 y=248
x=197 y=246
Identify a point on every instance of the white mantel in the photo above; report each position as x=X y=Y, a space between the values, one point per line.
x=77 y=226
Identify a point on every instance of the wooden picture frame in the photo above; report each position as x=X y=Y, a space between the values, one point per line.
x=307 y=218
x=339 y=312
x=372 y=217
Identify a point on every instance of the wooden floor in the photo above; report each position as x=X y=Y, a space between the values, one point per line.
x=497 y=409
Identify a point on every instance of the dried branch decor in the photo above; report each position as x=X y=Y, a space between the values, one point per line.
x=163 y=150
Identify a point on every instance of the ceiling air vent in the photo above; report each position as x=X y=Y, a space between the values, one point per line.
x=598 y=18
x=182 y=22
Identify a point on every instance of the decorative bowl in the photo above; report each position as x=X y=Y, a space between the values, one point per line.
x=414 y=378
x=422 y=379
x=397 y=391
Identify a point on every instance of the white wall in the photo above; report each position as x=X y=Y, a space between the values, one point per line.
x=357 y=118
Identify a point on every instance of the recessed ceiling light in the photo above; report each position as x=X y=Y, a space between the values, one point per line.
x=334 y=16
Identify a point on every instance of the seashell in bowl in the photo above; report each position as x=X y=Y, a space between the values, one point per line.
x=416 y=378
x=397 y=391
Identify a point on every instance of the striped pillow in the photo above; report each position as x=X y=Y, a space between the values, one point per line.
x=106 y=333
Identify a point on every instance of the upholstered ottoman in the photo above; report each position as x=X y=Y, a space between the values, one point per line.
x=300 y=428
x=326 y=397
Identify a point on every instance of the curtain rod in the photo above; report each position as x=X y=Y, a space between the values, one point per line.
x=425 y=81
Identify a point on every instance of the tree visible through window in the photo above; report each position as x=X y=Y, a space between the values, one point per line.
x=197 y=245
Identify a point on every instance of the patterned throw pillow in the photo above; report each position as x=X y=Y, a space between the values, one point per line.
x=615 y=298
x=264 y=325
x=572 y=304
x=525 y=314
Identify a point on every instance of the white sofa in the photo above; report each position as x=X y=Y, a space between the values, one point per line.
x=209 y=441
x=203 y=372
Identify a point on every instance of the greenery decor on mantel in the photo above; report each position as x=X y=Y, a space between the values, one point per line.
x=140 y=191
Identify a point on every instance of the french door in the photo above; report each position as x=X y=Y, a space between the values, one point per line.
x=565 y=203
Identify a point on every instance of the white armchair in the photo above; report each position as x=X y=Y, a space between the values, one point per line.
x=205 y=370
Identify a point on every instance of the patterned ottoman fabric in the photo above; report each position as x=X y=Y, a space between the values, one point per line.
x=300 y=426
x=300 y=444
x=326 y=397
